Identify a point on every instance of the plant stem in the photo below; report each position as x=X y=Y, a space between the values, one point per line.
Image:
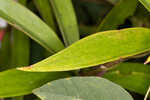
x=146 y=96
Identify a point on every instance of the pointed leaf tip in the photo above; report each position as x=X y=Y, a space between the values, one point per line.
x=147 y=61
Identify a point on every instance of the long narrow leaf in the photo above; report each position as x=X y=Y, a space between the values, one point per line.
x=66 y=19
x=92 y=50
x=20 y=46
x=45 y=10
x=118 y=15
x=146 y=4
x=20 y=49
x=5 y=52
x=17 y=83
x=26 y=21
x=47 y=15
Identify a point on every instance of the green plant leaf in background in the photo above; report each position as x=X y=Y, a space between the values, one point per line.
x=146 y=4
x=20 y=46
x=122 y=10
x=17 y=83
x=20 y=49
x=66 y=19
x=92 y=50
x=132 y=76
x=82 y=88
x=26 y=21
x=45 y=10
x=20 y=55
x=5 y=52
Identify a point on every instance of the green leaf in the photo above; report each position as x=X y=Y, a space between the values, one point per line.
x=45 y=10
x=118 y=15
x=147 y=61
x=5 y=52
x=47 y=15
x=66 y=19
x=132 y=76
x=26 y=21
x=20 y=49
x=82 y=88
x=16 y=83
x=20 y=46
x=146 y=4
x=97 y=49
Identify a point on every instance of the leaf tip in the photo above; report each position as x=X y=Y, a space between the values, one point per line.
x=25 y=68
x=147 y=61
